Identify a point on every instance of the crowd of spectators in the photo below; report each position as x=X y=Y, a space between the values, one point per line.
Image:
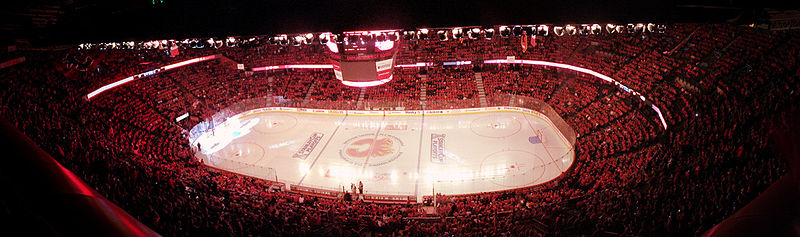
x=719 y=87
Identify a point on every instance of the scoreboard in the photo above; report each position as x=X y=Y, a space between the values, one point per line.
x=361 y=59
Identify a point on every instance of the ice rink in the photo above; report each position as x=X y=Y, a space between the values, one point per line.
x=392 y=153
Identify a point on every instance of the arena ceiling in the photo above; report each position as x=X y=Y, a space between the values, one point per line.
x=72 y=21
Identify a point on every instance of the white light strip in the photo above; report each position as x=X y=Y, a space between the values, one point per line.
x=302 y=66
x=187 y=62
x=371 y=32
x=367 y=83
x=660 y=116
x=579 y=69
x=147 y=74
x=457 y=63
x=311 y=66
x=414 y=65
x=182 y=117
x=108 y=87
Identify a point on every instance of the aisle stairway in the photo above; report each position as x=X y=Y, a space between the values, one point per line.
x=310 y=89
x=270 y=94
x=481 y=91
x=361 y=98
x=684 y=41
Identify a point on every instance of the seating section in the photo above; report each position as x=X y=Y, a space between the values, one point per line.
x=719 y=88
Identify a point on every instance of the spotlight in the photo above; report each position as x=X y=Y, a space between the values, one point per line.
x=423 y=34
x=584 y=29
x=529 y=30
x=620 y=29
x=570 y=30
x=409 y=35
x=517 y=30
x=298 y=40
x=630 y=28
x=488 y=33
x=393 y=36
x=457 y=33
x=283 y=40
x=323 y=38
x=596 y=29
x=230 y=42
x=505 y=31
x=249 y=42
x=309 y=38
x=661 y=29
x=611 y=28
x=442 y=35
x=639 y=28
x=542 y=30
x=474 y=33
x=181 y=44
x=558 y=30
x=164 y=44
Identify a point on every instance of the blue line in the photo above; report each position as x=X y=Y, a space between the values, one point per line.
x=419 y=155
x=545 y=148
x=323 y=150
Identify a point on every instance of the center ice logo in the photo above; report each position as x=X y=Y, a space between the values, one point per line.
x=370 y=147
x=374 y=150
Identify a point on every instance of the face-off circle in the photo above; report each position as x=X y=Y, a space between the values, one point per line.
x=237 y=156
x=513 y=168
x=275 y=124
x=495 y=126
x=374 y=150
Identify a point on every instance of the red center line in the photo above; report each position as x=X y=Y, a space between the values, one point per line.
x=372 y=145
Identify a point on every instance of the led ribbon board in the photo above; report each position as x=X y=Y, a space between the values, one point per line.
x=301 y=66
x=147 y=74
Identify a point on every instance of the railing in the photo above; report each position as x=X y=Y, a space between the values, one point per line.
x=248 y=169
x=448 y=180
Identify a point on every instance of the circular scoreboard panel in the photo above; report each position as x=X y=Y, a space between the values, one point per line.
x=363 y=59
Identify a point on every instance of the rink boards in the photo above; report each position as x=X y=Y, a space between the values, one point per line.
x=405 y=153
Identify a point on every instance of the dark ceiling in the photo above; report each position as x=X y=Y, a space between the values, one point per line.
x=72 y=21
